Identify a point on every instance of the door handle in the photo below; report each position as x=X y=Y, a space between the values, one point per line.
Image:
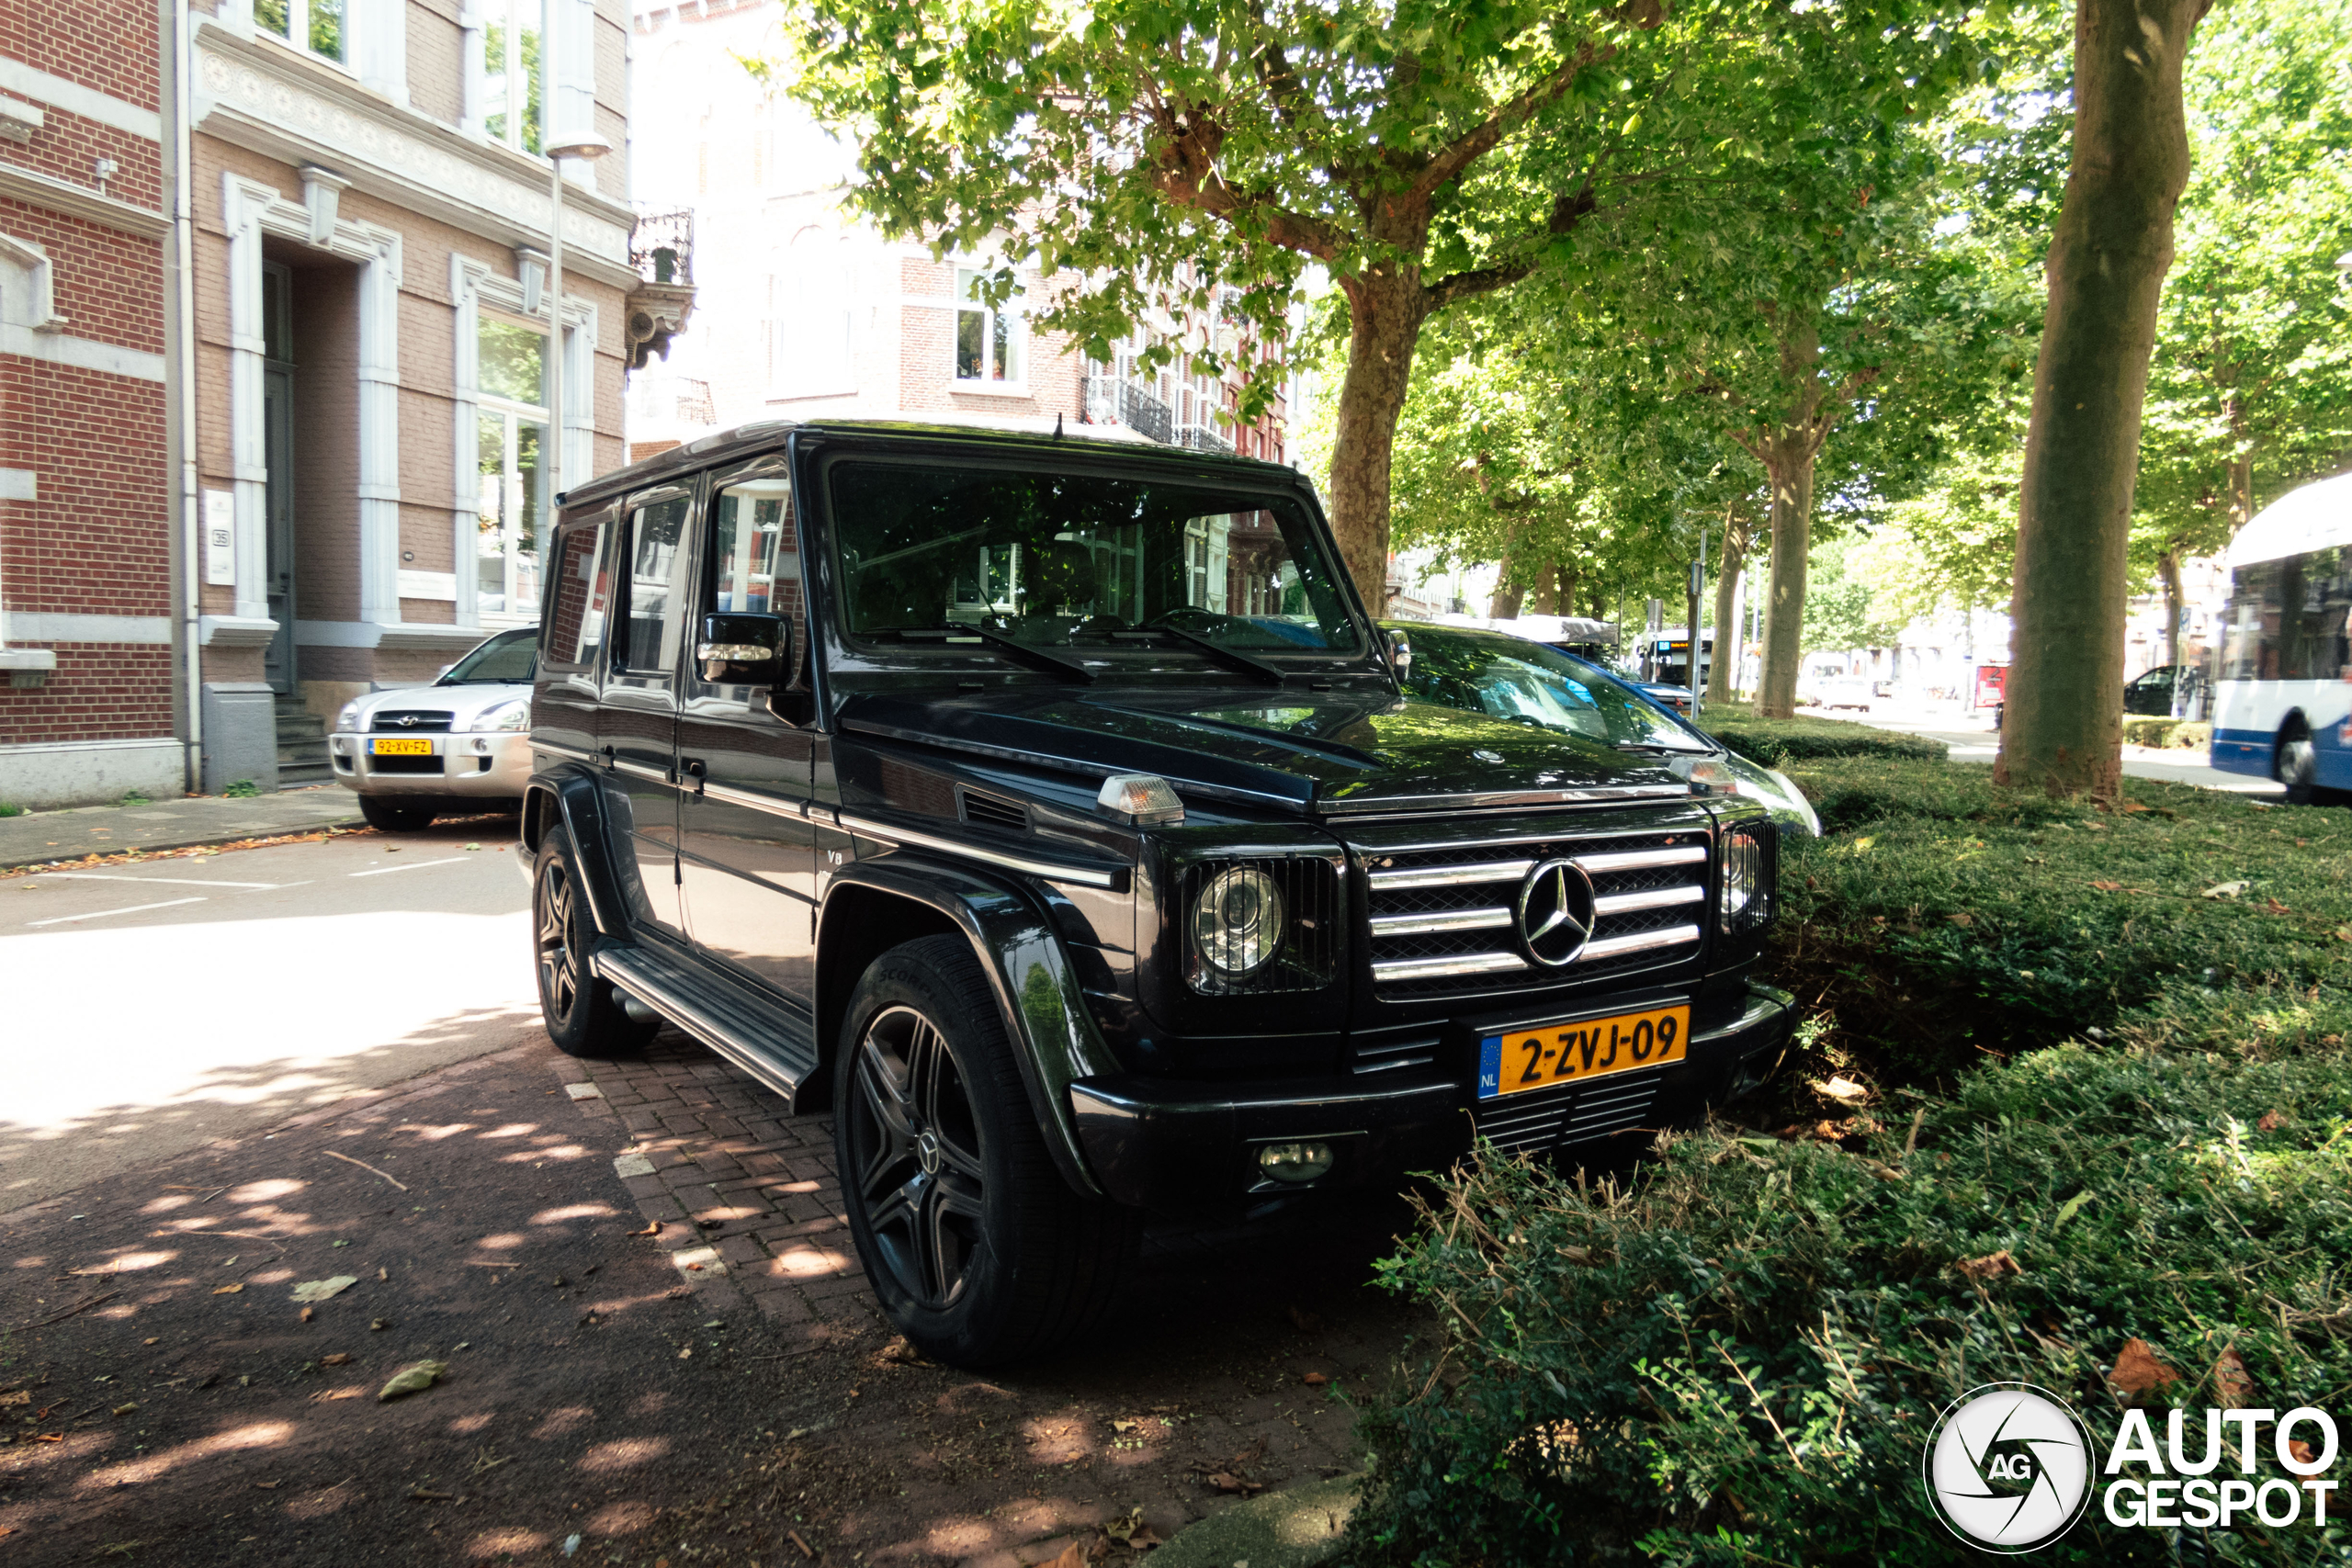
x=692 y=768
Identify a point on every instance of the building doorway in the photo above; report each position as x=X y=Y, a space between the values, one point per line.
x=277 y=457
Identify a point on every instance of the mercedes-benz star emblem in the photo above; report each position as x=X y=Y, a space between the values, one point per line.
x=1555 y=913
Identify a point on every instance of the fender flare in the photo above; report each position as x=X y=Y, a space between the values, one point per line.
x=1054 y=1038
x=572 y=795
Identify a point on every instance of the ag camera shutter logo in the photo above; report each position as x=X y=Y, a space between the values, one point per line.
x=2008 y=1468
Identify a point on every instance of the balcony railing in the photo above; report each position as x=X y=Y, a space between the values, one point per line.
x=661 y=247
x=1110 y=400
x=1202 y=438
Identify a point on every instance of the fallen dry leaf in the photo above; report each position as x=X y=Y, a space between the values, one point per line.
x=1072 y=1556
x=2226 y=889
x=2271 y=1122
x=228 y=1290
x=652 y=1229
x=320 y=1290
x=340 y=1358
x=413 y=1378
x=2137 y=1372
x=1992 y=1266
x=1316 y=1380
x=155 y=1341
x=1224 y=1481
x=264 y=1485
x=2302 y=1450
x=309 y=1313
x=2107 y=886
x=126 y=1409
x=26 y=1398
x=1961 y=920
x=2232 y=1383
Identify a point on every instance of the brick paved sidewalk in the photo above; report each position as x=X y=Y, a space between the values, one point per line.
x=39 y=836
x=747 y=1197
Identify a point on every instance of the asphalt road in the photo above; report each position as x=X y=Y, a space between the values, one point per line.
x=157 y=1006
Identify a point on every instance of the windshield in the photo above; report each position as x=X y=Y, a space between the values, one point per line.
x=1079 y=561
x=1533 y=685
x=507 y=659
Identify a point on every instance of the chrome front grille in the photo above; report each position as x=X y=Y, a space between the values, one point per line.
x=411 y=721
x=1549 y=1118
x=1443 y=922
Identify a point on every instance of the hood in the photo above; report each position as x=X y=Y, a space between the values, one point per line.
x=1307 y=751
x=463 y=701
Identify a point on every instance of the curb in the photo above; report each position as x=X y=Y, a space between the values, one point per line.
x=289 y=831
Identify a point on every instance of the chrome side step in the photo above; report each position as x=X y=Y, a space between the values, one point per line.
x=760 y=1040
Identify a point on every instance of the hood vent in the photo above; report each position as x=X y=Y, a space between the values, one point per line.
x=987 y=811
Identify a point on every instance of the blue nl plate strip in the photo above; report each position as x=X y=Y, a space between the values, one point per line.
x=1490 y=1066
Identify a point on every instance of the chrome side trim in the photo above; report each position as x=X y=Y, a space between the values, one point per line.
x=1443 y=920
x=639 y=771
x=1655 y=899
x=1438 y=968
x=1643 y=860
x=1452 y=875
x=1594 y=795
x=752 y=800
x=1639 y=941
x=569 y=753
x=1110 y=878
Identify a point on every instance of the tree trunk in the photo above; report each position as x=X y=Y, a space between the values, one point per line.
x=1788 y=467
x=1563 y=580
x=2168 y=566
x=1508 y=597
x=2061 y=729
x=1385 y=309
x=1727 y=642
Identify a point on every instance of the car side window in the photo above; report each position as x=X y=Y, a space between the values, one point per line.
x=576 y=608
x=755 y=558
x=655 y=588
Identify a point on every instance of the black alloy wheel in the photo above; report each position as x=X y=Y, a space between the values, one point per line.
x=977 y=1248
x=582 y=1013
x=919 y=1170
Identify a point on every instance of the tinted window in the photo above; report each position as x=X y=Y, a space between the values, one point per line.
x=657 y=555
x=576 y=625
x=1075 y=559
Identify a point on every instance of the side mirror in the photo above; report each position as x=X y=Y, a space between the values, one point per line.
x=1400 y=653
x=745 y=651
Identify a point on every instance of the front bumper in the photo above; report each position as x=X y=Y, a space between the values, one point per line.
x=1176 y=1145
x=493 y=765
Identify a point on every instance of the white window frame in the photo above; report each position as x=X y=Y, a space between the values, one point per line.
x=297 y=35
x=489 y=404
x=1017 y=343
x=517 y=80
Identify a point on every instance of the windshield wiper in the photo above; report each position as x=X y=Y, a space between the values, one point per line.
x=1658 y=746
x=1019 y=652
x=1231 y=658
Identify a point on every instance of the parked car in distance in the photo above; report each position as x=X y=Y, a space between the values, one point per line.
x=1665 y=694
x=2152 y=693
x=1047 y=808
x=1838 y=692
x=457 y=746
x=1533 y=682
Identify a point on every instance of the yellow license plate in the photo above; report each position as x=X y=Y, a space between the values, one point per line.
x=1526 y=1059
x=400 y=747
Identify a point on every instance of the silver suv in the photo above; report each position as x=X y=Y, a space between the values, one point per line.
x=457 y=746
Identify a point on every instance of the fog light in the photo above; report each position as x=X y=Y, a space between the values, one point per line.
x=1294 y=1162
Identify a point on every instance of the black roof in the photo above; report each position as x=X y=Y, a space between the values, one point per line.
x=767 y=435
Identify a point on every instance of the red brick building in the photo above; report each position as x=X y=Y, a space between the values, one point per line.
x=281 y=361
x=86 y=544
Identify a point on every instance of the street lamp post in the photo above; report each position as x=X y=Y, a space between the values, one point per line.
x=587 y=146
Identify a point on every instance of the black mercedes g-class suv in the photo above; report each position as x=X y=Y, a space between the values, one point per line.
x=1048 y=808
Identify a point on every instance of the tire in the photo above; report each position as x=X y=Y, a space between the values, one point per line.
x=2295 y=765
x=582 y=1013
x=391 y=818
x=979 y=1250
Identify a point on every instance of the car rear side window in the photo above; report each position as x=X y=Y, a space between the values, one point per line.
x=576 y=618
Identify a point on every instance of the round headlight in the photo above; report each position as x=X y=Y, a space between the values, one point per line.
x=1238 y=921
x=1746 y=900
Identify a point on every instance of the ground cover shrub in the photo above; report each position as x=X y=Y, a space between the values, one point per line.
x=1778 y=741
x=9 y=809
x=2123 y=1035
x=1940 y=918
x=2148 y=730
x=1737 y=1359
